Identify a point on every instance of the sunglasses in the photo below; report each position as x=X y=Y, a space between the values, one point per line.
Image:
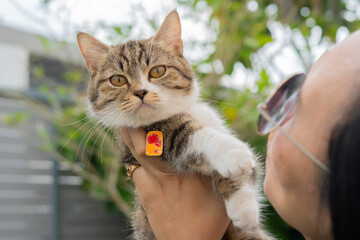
x=275 y=110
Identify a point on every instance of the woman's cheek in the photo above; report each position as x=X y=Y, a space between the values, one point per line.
x=270 y=178
x=278 y=162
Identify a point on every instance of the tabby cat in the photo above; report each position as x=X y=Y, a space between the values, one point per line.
x=148 y=83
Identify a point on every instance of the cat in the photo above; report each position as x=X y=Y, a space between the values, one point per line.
x=148 y=83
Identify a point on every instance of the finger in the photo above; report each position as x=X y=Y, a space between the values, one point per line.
x=129 y=165
x=138 y=175
x=129 y=142
x=126 y=137
x=138 y=139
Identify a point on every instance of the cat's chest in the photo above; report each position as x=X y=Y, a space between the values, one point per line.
x=200 y=115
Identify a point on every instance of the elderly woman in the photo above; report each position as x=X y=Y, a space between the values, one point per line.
x=312 y=162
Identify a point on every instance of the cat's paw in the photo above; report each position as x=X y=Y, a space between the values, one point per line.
x=243 y=209
x=247 y=217
x=236 y=161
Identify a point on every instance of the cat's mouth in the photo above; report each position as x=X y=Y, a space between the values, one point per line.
x=144 y=107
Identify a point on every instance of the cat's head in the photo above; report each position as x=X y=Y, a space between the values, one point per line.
x=139 y=82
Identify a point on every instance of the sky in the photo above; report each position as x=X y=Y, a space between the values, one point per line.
x=62 y=19
x=30 y=15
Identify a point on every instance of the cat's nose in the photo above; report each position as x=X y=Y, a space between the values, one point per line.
x=140 y=93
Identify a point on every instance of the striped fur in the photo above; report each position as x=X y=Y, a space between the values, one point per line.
x=195 y=137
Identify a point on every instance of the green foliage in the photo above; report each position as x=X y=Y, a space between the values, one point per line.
x=16 y=118
x=38 y=71
x=44 y=41
x=124 y=31
x=46 y=1
x=73 y=76
x=243 y=29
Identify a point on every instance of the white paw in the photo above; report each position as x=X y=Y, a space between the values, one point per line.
x=225 y=154
x=247 y=217
x=243 y=209
x=236 y=161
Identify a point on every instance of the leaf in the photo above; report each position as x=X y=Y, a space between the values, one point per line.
x=62 y=90
x=44 y=42
x=38 y=71
x=230 y=113
x=117 y=30
x=46 y=2
x=263 y=83
x=74 y=76
x=44 y=89
x=16 y=118
x=263 y=39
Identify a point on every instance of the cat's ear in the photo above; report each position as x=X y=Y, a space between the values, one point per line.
x=92 y=50
x=170 y=32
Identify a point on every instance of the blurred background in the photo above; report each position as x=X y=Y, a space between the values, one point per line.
x=60 y=176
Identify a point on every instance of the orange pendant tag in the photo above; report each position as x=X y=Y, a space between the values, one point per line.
x=154 y=143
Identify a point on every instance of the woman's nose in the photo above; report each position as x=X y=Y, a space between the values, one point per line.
x=271 y=137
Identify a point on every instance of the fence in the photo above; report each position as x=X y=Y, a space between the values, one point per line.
x=39 y=198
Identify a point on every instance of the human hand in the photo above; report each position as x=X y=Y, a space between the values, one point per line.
x=178 y=207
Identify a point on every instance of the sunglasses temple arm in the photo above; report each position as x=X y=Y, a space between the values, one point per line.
x=306 y=152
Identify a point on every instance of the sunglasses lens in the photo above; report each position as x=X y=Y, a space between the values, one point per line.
x=281 y=103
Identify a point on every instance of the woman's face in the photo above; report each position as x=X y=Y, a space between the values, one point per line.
x=293 y=182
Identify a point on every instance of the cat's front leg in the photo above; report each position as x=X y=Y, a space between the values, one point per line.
x=226 y=154
x=241 y=199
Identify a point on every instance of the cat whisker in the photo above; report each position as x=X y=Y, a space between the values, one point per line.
x=87 y=137
x=112 y=139
x=80 y=144
x=125 y=104
x=153 y=100
x=109 y=120
x=219 y=102
x=102 y=130
x=68 y=124
x=128 y=104
x=114 y=112
x=215 y=101
x=75 y=133
x=108 y=117
x=92 y=129
x=129 y=108
x=101 y=145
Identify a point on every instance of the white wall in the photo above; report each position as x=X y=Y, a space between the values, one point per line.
x=14 y=67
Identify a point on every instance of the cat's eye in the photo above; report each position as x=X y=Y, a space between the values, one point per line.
x=118 y=80
x=157 y=71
